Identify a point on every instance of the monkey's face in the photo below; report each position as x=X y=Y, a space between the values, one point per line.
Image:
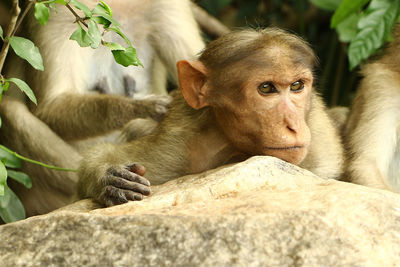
x=266 y=115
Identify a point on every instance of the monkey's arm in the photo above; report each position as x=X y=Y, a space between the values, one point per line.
x=75 y=116
x=113 y=174
x=183 y=39
x=106 y=172
x=208 y=23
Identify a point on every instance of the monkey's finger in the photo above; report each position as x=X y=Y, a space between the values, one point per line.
x=136 y=168
x=130 y=176
x=164 y=101
x=132 y=195
x=112 y=196
x=125 y=184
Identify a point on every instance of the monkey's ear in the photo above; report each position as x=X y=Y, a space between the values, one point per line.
x=192 y=81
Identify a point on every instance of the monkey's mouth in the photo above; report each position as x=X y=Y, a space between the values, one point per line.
x=286 y=148
x=292 y=154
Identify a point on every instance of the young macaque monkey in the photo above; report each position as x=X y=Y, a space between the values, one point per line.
x=249 y=93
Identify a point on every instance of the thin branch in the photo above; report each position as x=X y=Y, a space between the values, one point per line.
x=28 y=7
x=78 y=18
x=15 y=13
x=36 y=162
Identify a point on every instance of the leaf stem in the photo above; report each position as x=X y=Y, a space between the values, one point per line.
x=78 y=18
x=36 y=162
x=6 y=45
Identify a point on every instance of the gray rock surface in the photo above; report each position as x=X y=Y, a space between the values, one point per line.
x=261 y=212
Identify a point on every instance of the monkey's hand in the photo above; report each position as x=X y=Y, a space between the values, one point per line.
x=123 y=183
x=154 y=106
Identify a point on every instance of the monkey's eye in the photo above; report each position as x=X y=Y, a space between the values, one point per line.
x=267 y=88
x=297 y=86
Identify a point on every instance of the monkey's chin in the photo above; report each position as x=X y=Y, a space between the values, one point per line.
x=291 y=154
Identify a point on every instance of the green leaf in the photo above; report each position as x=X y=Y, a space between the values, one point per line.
x=114 y=46
x=10 y=160
x=127 y=57
x=82 y=7
x=5 y=86
x=100 y=20
x=347 y=29
x=329 y=5
x=5 y=198
x=1 y=33
x=106 y=8
x=346 y=8
x=94 y=34
x=3 y=175
x=24 y=88
x=81 y=37
x=110 y=19
x=375 y=28
x=27 y=50
x=11 y=208
x=105 y=13
x=120 y=33
x=61 y=2
x=52 y=6
x=1 y=190
x=20 y=177
x=102 y=9
x=42 y=13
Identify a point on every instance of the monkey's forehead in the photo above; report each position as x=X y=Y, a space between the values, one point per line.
x=270 y=56
x=273 y=58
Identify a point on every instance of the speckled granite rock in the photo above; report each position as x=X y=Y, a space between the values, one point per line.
x=262 y=212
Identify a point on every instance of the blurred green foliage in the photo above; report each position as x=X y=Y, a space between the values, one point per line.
x=365 y=24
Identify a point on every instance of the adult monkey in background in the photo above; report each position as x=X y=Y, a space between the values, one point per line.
x=71 y=113
x=249 y=93
x=372 y=130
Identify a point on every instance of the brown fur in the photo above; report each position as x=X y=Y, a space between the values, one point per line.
x=211 y=123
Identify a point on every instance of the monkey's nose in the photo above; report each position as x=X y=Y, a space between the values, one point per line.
x=292 y=123
x=291 y=129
